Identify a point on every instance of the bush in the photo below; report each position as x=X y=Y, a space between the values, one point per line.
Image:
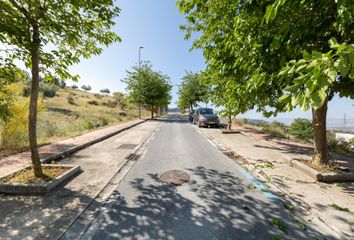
x=14 y=132
x=338 y=145
x=98 y=96
x=74 y=86
x=71 y=99
x=110 y=103
x=274 y=129
x=302 y=129
x=86 y=87
x=93 y=102
x=105 y=90
x=48 y=89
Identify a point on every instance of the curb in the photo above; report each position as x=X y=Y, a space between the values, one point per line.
x=322 y=177
x=70 y=151
x=37 y=188
x=283 y=196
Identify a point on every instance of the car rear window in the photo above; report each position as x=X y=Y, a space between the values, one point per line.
x=206 y=111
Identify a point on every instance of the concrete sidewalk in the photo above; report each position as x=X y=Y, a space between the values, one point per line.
x=266 y=158
x=13 y=163
x=48 y=216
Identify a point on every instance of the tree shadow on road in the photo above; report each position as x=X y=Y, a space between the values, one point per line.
x=213 y=205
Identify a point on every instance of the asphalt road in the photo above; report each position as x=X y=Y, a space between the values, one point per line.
x=219 y=202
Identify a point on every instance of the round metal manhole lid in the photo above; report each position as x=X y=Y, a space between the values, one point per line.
x=174 y=177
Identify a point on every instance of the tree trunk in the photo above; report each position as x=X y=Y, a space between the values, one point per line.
x=319 y=116
x=229 y=122
x=152 y=112
x=32 y=124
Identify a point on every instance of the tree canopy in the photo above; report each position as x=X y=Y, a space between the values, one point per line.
x=276 y=55
x=148 y=87
x=191 y=91
x=50 y=36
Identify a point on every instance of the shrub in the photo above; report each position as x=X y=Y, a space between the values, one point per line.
x=74 y=86
x=98 y=96
x=338 y=145
x=26 y=91
x=48 y=89
x=15 y=131
x=301 y=129
x=274 y=129
x=71 y=99
x=276 y=124
x=105 y=90
x=121 y=100
x=86 y=87
x=110 y=103
x=93 y=102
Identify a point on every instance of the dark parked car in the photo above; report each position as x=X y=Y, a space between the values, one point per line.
x=191 y=115
x=206 y=117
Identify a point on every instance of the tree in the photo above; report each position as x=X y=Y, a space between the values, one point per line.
x=148 y=87
x=105 y=91
x=86 y=87
x=49 y=36
x=276 y=55
x=191 y=91
x=302 y=129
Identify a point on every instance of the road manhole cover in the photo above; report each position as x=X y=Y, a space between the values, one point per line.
x=174 y=177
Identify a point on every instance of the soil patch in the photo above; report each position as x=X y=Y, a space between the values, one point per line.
x=332 y=167
x=27 y=176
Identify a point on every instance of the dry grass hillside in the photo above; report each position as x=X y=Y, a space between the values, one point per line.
x=69 y=113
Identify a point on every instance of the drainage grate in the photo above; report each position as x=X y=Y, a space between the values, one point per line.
x=127 y=146
x=174 y=177
x=133 y=157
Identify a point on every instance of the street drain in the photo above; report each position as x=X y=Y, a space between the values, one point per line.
x=133 y=157
x=174 y=177
x=127 y=146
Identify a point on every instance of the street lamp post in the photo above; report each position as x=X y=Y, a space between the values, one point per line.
x=139 y=69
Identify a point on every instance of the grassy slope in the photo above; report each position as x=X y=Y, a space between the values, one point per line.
x=59 y=119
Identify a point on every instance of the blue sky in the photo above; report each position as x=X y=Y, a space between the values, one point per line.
x=155 y=26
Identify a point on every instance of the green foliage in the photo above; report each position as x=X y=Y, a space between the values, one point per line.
x=266 y=165
x=274 y=129
x=72 y=29
x=121 y=100
x=273 y=56
x=191 y=91
x=279 y=224
x=147 y=86
x=105 y=90
x=6 y=97
x=48 y=89
x=288 y=206
x=338 y=145
x=86 y=87
x=335 y=206
x=301 y=225
x=301 y=129
x=111 y=104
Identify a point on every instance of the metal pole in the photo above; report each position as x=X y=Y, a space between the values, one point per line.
x=139 y=69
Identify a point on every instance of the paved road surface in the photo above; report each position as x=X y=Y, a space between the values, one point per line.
x=219 y=201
